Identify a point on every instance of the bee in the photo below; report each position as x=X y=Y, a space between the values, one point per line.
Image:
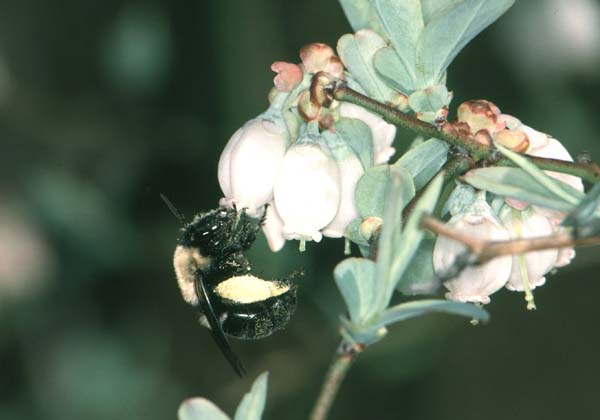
x=215 y=277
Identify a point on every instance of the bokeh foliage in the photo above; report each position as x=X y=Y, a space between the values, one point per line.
x=104 y=105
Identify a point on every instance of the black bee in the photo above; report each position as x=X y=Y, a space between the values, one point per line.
x=214 y=276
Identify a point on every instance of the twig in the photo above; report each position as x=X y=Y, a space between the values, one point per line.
x=338 y=369
x=484 y=251
x=589 y=171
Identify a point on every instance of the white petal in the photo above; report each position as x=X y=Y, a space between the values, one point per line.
x=351 y=170
x=249 y=164
x=529 y=224
x=225 y=162
x=474 y=284
x=273 y=228
x=307 y=191
x=382 y=132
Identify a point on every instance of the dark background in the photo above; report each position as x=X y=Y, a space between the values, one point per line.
x=104 y=105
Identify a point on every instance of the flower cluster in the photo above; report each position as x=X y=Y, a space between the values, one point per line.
x=512 y=219
x=295 y=160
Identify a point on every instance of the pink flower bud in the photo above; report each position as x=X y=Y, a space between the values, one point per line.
x=288 y=75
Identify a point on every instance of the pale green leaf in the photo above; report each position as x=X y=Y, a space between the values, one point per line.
x=371 y=191
x=448 y=30
x=357 y=51
x=253 y=404
x=586 y=210
x=430 y=99
x=430 y=8
x=361 y=15
x=559 y=189
x=393 y=71
x=424 y=161
x=419 y=277
x=403 y=22
x=411 y=236
x=418 y=308
x=515 y=183
x=200 y=409
x=388 y=241
x=355 y=277
x=357 y=135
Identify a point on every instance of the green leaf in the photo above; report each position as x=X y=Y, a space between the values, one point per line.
x=448 y=30
x=355 y=277
x=428 y=102
x=430 y=8
x=403 y=22
x=357 y=51
x=412 y=233
x=419 y=277
x=389 y=239
x=200 y=409
x=418 y=308
x=515 y=183
x=361 y=15
x=357 y=135
x=396 y=246
x=371 y=191
x=393 y=71
x=586 y=210
x=560 y=189
x=424 y=161
x=253 y=404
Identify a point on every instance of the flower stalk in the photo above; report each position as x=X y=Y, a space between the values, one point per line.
x=338 y=369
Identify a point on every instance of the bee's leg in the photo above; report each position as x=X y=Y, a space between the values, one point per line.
x=215 y=325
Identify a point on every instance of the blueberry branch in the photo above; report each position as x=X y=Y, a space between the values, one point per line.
x=338 y=369
x=482 y=153
x=484 y=251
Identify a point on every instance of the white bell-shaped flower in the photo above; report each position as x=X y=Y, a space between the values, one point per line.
x=307 y=190
x=383 y=133
x=351 y=169
x=250 y=162
x=555 y=150
x=528 y=270
x=475 y=283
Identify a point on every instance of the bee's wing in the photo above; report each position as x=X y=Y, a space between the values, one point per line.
x=215 y=325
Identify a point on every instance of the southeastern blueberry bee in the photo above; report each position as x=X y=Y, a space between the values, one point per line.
x=214 y=276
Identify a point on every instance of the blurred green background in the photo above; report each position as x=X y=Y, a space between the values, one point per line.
x=104 y=105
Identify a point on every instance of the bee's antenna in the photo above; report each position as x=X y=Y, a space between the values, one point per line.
x=173 y=209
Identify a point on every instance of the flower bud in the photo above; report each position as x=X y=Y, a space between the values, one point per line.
x=318 y=57
x=383 y=134
x=369 y=226
x=289 y=75
x=307 y=190
x=249 y=164
x=476 y=283
x=515 y=140
x=480 y=115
